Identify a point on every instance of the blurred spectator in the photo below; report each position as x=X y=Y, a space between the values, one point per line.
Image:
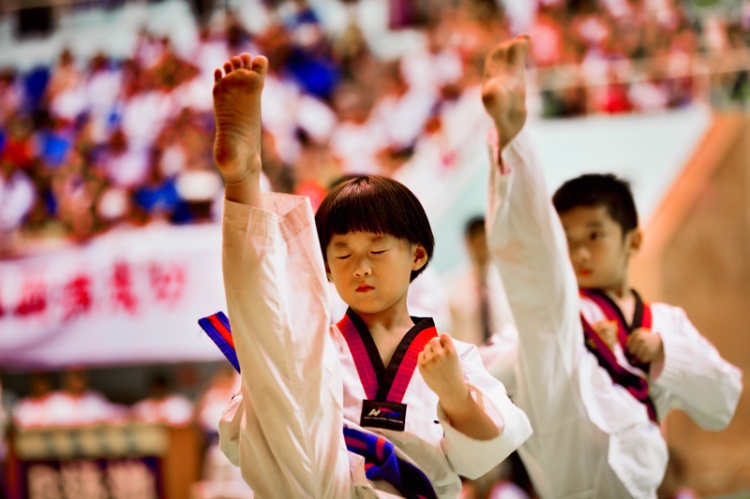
x=317 y=168
x=310 y=61
x=35 y=410
x=75 y=404
x=163 y=405
x=211 y=403
x=148 y=48
x=17 y=197
x=648 y=95
x=156 y=199
x=76 y=189
x=547 y=33
x=123 y=165
x=18 y=142
x=11 y=97
x=356 y=139
x=611 y=98
x=220 y=478
x=402 y=110
x=432 y=66
x=65 y=92
x=103 y=87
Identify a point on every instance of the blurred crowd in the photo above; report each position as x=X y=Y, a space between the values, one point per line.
x=88 y=145
x=618 y=56
x=75 y=405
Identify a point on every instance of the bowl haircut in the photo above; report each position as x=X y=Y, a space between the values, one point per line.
x=594 y=190
x=377 y=204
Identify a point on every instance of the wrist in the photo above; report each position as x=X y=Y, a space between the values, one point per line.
x=455 y=401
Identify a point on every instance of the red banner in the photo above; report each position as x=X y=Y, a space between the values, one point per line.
x=126 y=297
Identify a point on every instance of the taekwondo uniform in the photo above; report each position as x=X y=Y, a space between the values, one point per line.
x=592 y=438
x=297 y=427
x=692 y=377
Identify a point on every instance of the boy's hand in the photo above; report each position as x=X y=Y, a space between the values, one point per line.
x=607 y=331
x=441 y=370
x=646 y=345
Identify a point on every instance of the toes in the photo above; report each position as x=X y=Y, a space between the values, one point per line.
x=517 y=51
x=260 y=64
x=508 y=54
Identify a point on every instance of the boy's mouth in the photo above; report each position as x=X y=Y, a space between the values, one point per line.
x=364 y=288
x=584 y=272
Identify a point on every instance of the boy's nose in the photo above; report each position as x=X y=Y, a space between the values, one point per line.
x=580 y=254
x=362 y=270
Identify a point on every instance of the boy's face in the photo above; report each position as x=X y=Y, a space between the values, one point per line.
x=372 y=271
x=598 y=251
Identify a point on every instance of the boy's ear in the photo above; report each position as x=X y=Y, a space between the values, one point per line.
x=420 y=257
x=636 y=240
x=328 y=271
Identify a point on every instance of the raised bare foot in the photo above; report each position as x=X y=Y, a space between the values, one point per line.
x=236 y=97
x=504 y=87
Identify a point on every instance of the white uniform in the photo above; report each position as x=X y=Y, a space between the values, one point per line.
x=285 y=430
x=693 y=377
x=591 y=437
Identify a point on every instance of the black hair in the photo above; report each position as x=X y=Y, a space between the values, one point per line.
x=377 y=204
x=474 y=226
x=593 y=190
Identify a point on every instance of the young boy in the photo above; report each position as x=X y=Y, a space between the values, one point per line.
x=320 y=415
x=595 y=420
x=656 y=343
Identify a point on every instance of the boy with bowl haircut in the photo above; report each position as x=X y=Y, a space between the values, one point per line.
x=377 y=404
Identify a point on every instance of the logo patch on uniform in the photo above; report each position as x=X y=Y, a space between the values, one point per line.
x=386 y=415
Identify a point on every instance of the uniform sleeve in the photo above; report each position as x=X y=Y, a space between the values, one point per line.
x=698 y=380
x=473 y=458
x=287 y=426
x=500 y=356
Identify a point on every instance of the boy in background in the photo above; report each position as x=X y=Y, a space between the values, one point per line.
x=600 y=221
x=594 y=409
